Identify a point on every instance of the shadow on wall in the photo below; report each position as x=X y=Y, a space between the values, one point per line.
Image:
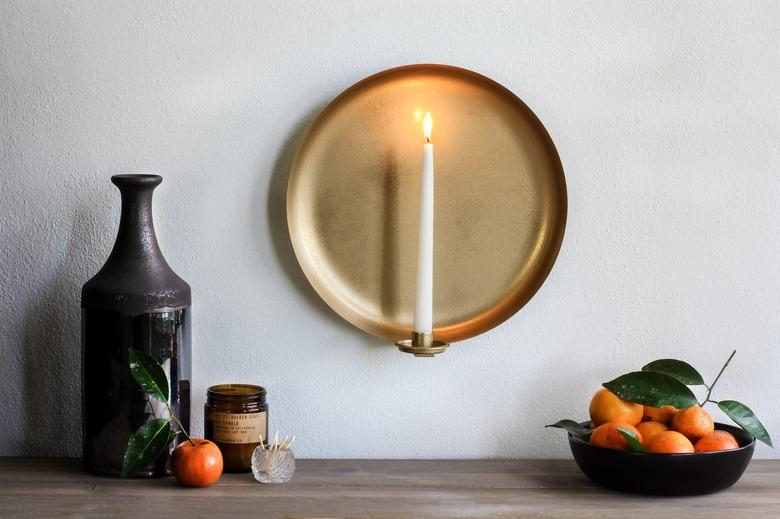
x=52 y=350
x=277 y=224
x=277 y=217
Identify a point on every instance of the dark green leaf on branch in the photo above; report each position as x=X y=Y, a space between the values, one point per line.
x=678 y=369
x=146 y=445
x=652 y=388
x=149 y=375
x=632 y=438
x=573 y=428
x=746 y=419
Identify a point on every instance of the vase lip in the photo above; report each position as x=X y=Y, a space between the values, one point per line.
x=136 y=179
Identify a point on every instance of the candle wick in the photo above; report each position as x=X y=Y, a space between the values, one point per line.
x=427 y=140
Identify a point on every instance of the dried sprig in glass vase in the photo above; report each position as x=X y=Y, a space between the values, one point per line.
x=275 y=464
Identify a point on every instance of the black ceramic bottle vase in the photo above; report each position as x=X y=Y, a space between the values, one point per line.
x=135 y=301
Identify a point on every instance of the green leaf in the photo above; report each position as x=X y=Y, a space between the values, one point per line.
x=573 y=428
x=148 y=442
x=633 y=440
x=745 y=418
x=172 y=436
x=651 y=388
x=149 y=375
x=678 y=369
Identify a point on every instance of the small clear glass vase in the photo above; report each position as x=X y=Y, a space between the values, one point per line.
x=273 y=466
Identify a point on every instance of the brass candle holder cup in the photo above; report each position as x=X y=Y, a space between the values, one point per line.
x=422 y=345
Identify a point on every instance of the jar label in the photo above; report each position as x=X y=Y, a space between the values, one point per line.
x=240 y=427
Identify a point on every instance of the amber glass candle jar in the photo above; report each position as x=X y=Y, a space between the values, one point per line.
x=237 y=421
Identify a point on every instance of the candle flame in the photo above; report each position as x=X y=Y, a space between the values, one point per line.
x=427 y=126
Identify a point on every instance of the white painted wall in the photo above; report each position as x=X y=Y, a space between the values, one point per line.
x=666 y=117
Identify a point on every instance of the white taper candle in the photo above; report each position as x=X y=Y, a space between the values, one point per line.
x=423 y=309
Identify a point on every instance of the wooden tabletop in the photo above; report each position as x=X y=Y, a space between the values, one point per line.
x=371 y=488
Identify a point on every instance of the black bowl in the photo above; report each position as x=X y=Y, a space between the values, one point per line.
x=665 y=474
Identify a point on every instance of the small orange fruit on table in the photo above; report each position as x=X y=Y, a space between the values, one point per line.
x=606 y=435
x=650 y=429
x=669 y=442
x=197 y=463
x=659 y=414
x=716 y=441
x=606 y=406
x=694 y=422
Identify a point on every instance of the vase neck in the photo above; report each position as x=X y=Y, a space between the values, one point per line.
x=136 y=278
x=136 y=241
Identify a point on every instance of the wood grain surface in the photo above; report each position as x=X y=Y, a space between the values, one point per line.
x=39 y=487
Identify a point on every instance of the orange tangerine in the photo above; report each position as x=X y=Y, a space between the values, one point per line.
x=606 y=435
x=694 y=422
x=650 y=429
x=669 y=442
x=606 y=406
x=659 y=414
x=716 y=441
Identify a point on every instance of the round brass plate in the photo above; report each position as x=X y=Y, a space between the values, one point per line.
x=353 y=201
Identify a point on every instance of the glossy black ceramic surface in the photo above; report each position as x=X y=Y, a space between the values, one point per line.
x=665 y=474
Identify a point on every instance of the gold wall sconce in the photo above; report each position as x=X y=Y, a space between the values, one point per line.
x=354 y=204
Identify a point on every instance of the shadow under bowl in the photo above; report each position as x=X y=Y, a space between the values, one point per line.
x=665 y=474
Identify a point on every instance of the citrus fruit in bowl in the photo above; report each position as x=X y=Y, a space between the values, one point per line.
x=648 y=433
x=665 y=474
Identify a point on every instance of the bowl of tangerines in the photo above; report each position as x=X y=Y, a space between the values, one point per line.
x=648 y=433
